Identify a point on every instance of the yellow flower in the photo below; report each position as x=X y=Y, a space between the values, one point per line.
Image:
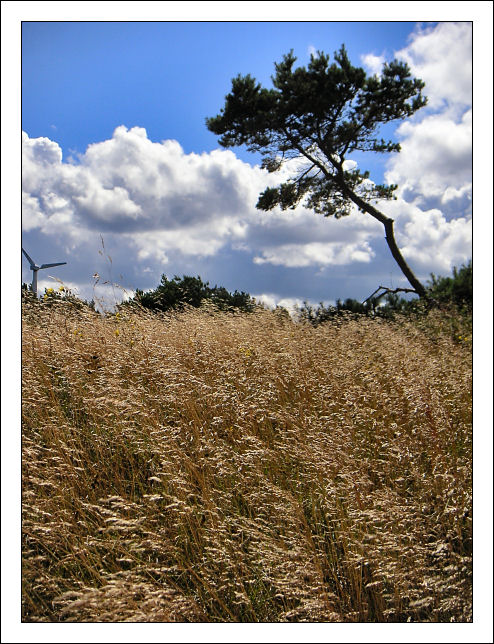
x=117 y=332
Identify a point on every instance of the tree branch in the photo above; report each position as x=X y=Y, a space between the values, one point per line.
x=390 y=290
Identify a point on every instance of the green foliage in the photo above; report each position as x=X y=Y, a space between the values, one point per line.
x=319 y=114
x=191 y=291
x=455 y=293
x=350 y=308
x=457 y=289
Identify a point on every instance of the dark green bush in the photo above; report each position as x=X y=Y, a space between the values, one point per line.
x=192 y=291
x=457 y=289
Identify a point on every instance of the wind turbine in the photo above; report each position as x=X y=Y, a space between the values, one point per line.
x=35 y=269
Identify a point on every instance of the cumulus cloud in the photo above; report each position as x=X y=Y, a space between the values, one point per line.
x=427 y=239
x=441 y=56
x=435 y=159
x=161 y=200
x=434 y=168
x=291 y=304
x=41 y=151
x=130 y=185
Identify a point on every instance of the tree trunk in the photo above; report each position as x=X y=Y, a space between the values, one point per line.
x=400 y=260
x=390 y=239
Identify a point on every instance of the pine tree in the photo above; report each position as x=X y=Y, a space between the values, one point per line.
x=320 y=115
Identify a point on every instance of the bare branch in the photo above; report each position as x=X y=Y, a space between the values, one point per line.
x=387 y=290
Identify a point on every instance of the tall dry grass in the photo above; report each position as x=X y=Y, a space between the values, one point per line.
x=216 y=467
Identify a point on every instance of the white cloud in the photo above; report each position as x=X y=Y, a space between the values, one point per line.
x=130 y=184
x=108 y=205
x=159 y=200
x=32 y=215
x=428 y=240
x=435 y=157
x=442 y=57
x=41 y=151
x=316 y=253
x=290 y=304
x=434 y=168
x=349 y=165
x=373 y=63
x=452 y=194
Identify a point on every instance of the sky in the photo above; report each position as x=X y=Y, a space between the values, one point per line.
x=122 y=178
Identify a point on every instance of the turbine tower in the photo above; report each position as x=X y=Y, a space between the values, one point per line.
x=35 y=269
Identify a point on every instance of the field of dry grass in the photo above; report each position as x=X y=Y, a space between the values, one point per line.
x=206 y=467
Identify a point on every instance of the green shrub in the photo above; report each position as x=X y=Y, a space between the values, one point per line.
x=457 y=289
x=178 y=293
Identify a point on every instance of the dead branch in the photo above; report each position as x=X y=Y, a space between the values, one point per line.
x=387 y=290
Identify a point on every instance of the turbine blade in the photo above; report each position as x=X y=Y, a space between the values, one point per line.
x=28 y=258
x=50 y=265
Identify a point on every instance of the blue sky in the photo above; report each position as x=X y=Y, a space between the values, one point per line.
x=82 y=79
x=116 y=148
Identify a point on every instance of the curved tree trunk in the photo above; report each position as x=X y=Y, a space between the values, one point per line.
x=400 y=260
x=390 y=239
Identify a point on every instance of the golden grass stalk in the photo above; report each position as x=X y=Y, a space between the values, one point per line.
x=221 y=467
